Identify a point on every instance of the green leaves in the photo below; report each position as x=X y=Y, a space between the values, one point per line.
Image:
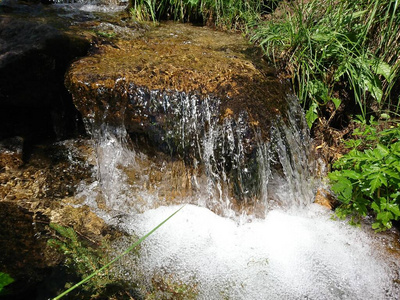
x=369 y=180
x=5 y=280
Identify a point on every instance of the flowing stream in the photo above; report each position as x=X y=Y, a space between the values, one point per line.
x=294 y=250
x=276 y=244
x=249 y=228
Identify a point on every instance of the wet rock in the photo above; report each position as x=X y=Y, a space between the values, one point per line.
x=11 y=153
x=33 y=195
x=174 y=86
x=325 y=198
x=128 y=81
x=33 y=58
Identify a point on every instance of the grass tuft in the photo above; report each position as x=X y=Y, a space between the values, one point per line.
x=328 y=46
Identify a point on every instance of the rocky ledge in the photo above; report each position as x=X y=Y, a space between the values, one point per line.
x=175 y=84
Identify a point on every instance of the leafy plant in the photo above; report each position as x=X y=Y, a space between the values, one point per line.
x=368 y=180
x=5 y=279
x=83 y=259
x=88 y=261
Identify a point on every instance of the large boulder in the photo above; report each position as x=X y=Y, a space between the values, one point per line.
x=192 y=92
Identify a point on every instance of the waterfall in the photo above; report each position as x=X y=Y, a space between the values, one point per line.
x=233 y=171
x=292 y=249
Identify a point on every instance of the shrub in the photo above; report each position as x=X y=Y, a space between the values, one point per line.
x=367 y=179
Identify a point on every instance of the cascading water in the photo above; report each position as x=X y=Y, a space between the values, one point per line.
x=296 y=251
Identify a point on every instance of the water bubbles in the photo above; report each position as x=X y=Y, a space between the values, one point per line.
x=289 y=255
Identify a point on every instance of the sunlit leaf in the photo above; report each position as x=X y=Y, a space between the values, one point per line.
x=337 y=102
x=382 y=68
x=5 y=280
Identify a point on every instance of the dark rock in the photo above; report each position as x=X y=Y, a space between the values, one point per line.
x=11 y=152
x=33 y=59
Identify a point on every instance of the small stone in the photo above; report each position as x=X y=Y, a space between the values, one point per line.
x=325 y=198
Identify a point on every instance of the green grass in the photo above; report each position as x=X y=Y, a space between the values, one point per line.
x=227 y=14
x=327 y=46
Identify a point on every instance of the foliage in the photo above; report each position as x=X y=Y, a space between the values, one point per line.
x=329 y=45
x=367 y=179
x=5 y=279
x=89 y=260
x=82 y=259
x=226 y=14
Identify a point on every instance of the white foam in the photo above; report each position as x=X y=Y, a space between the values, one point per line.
x=289 y=255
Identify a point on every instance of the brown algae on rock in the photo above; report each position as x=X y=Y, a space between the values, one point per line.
x=179 y=58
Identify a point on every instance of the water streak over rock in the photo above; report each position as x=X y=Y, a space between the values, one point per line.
x=204 y=96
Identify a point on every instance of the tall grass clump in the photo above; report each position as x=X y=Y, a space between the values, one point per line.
x=330 y=46
x=227 y=14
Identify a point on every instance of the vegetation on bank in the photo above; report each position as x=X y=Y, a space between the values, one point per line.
x=344 y=61
x=367 y=178
x=337 y=51
x=226 y=14
x=343 y=58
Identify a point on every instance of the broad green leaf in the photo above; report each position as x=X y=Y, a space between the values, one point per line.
x=352 y=143
x=334 y=176
x=376 y=182
x=384 y=116
x=5 y=280
x=337 y=102
x=393 y=208
x=376 y=225
x=381 y=151
x=318 y=90
x=344 y=189
x=384 y=216
x=382 y=68
x=395 y=148
x=374 y=86
x=391 y=173
x=395 y=195
x=351 y=174
x=375 y=207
